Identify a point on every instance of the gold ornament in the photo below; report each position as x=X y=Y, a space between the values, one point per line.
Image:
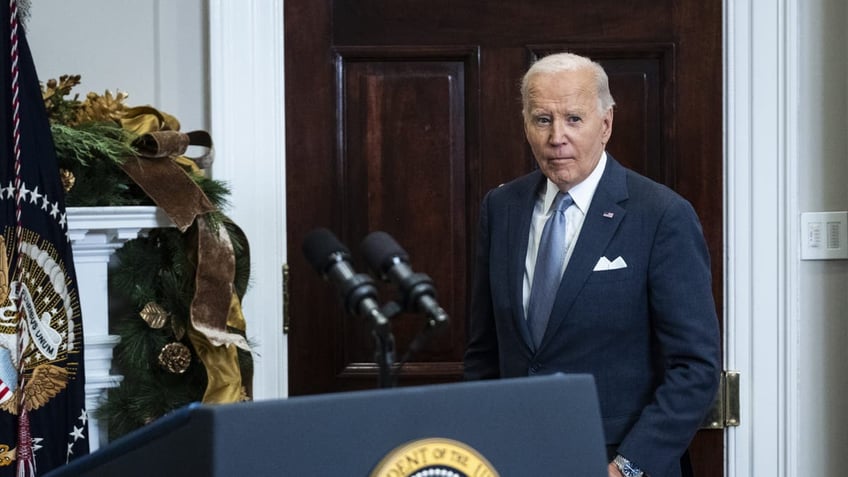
x=59 y=88
x=68 y=179
x=175 y=357
x=154 y=315
x=102 y=108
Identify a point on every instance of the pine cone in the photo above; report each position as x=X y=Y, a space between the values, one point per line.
x=175 y=357
x=102 y=108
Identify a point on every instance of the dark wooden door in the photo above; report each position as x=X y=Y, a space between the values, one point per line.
x=401 y=114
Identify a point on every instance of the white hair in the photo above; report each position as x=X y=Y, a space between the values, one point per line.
x=559 y=62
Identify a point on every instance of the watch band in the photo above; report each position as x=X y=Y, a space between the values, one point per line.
x=626 y=467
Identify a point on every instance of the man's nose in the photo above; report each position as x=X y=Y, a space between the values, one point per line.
x=557 y=133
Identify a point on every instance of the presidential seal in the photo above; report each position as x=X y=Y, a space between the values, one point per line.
x=434 y=457
x=42 y=298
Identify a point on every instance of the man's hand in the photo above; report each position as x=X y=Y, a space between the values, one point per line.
x=613 y=471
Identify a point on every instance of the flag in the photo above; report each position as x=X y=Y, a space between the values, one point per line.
x=43 y=421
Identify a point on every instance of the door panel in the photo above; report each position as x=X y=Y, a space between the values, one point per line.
x=402 y=149
x=401 y=114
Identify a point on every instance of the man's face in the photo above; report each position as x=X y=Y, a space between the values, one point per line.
x=564 y=126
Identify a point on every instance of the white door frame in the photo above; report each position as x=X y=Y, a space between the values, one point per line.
x=248 y=123
x=761 y=229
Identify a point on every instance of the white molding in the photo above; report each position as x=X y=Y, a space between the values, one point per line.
x=792 y=230
x=761 y=230
x=124 y=222
x=247 y=117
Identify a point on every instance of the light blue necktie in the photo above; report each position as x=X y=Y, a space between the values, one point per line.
x=548 y=271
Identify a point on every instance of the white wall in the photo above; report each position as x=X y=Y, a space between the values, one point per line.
x=823 y=186
x=156 y=51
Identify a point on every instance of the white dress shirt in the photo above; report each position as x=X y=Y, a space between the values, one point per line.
x=582 y=195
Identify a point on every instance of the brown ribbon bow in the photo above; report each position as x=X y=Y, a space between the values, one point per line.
x=160 y=171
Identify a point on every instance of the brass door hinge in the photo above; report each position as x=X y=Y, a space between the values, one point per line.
x=286 y=317
x=725 y=410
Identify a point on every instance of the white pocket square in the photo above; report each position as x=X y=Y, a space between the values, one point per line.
x=604 y=264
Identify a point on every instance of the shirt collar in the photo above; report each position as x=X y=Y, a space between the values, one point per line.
x=583 y=192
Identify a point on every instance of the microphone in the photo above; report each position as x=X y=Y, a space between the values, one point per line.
x=331 y=259
x=391 y=262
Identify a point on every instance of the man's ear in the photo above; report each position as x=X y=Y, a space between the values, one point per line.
x=607 y=122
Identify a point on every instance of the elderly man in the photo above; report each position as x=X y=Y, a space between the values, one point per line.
x=584 y=266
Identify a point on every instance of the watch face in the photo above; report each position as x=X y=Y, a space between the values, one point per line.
x=626 y=468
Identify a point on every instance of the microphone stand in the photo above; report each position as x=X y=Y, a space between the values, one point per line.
x=417 y=343
x=384 y=353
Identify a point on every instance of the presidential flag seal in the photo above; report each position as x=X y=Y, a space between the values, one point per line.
x=434 y=457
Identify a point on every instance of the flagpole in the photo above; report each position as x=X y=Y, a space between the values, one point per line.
x=16 y=127
x=25 y=457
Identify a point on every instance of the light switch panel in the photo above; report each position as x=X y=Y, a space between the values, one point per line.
x=824 y=235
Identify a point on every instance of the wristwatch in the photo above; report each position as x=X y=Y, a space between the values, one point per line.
x=626 y=467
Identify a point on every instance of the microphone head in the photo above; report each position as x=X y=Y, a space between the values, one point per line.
x=322 y=249
x=380 y=251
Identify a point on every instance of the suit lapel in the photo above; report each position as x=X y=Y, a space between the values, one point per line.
x=520 y=214
x=602 y=220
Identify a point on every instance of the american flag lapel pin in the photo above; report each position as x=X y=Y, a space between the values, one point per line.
x=608 y=215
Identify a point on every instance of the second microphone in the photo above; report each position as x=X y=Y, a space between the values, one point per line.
x=391 y=263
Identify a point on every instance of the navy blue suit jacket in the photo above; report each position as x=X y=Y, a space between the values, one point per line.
x=647 y=332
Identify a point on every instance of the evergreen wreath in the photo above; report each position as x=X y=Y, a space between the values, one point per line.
x=154 y=280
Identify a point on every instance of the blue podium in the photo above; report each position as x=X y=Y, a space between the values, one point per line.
x=539 y=426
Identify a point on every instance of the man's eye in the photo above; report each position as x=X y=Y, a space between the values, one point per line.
x=574 y=119
x=543 y=120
